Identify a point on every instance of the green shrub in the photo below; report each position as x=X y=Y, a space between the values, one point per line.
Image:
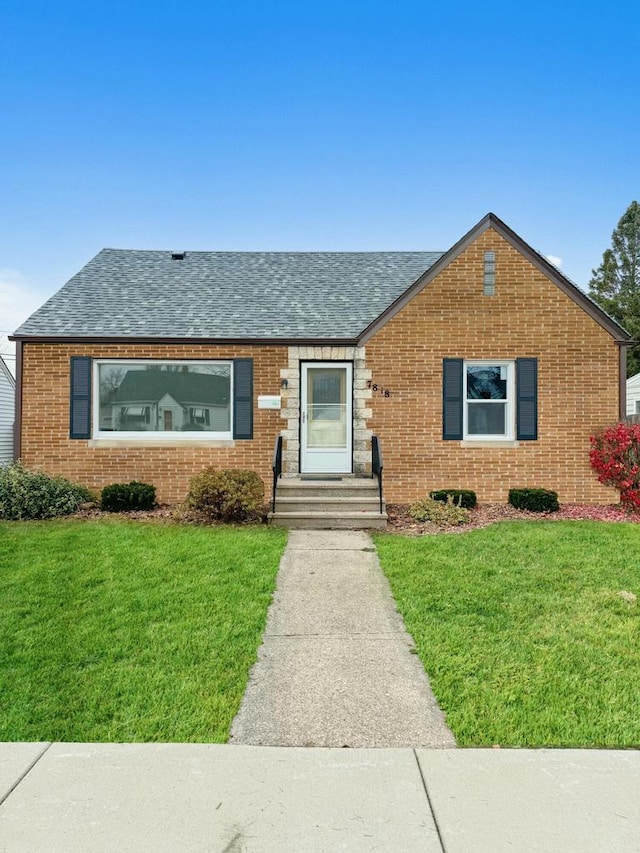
x=534 y=500
x=461 y=497
x=446 y=514
x=34 y=494
x=128 y=497
x=226 y=494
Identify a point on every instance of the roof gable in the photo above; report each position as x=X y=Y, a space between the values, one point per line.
x=535 y=258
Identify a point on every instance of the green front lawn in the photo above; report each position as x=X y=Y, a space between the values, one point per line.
x=523 y=630
x=120 y=631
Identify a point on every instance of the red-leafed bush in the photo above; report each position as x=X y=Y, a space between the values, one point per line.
x=615 y=456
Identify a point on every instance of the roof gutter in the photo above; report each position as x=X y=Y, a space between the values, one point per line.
x=98 y=339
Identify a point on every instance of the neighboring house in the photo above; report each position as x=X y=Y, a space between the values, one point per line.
x=482 y=367
x=633 y=395
x=150 y=398
x=7 y=412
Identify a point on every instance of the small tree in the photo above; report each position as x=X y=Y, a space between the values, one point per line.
x=615 y=456
x=615 y=284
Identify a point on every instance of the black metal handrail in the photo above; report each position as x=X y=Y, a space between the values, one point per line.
x=376 y=464
x=276 y=468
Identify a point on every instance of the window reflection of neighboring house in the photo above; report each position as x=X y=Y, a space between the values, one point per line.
x=156 y=400
x=485 y=383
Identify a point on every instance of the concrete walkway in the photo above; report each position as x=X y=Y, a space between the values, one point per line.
x=336 y=668
x=124 y=798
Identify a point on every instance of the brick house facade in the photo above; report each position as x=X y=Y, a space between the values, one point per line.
x=490 y=314
x=578 y=389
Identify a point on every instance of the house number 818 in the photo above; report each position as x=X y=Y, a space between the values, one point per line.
x=378 y=389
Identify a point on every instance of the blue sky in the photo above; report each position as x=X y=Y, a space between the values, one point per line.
x=332 y=125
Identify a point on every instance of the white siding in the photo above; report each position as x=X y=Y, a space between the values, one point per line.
x=7 y=409
x=633 y=395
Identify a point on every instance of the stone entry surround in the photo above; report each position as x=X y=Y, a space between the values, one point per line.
x=290 y=411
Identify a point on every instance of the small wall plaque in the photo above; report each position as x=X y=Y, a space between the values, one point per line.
x=269 y=402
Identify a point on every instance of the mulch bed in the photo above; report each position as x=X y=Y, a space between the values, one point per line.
x=400 y=521
x=162 y=512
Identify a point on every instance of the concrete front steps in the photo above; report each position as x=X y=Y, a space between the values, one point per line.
x=329 y=503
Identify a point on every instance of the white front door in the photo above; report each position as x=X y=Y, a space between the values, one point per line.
x=326 y=399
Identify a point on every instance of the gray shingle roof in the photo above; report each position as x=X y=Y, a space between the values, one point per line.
x=146 y=294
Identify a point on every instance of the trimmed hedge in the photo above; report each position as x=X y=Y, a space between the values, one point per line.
x=231 y=494
x=461 y=497
x=26 y=495
x=534 y=500
x=128 y=497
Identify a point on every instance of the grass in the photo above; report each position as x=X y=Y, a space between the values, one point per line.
x=121 y=632
x=523 y=631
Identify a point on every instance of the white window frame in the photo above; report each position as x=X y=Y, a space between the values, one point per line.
x=146 y=437
x=509 y=403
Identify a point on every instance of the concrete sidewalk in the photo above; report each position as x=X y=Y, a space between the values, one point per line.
x=335 y=667
x=165 y=798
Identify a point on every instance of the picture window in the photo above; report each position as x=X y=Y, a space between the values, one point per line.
x=153 y=399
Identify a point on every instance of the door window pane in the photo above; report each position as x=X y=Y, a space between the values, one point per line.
x=326 y=407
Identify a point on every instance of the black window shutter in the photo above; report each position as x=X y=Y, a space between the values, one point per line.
x=452 y=398
x=527 y=399
x=243 y=398
x=80 y=398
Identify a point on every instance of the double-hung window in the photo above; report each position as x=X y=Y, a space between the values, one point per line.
x=488 y=394
x=154 y=399
x=490 y=399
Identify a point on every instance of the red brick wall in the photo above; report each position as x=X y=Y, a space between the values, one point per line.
x=45 y=420
x=528 y=317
